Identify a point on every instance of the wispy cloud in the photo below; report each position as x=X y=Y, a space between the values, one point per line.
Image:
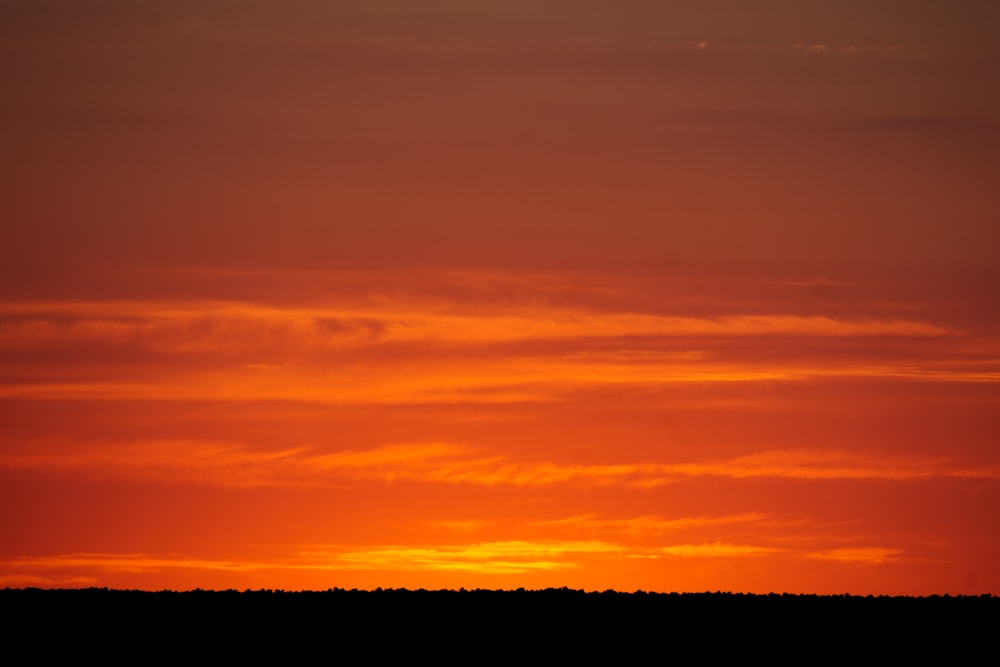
x=134 y=563
x=876 y=555
x=195 y=326
x=447 y=463
x=831 y=465
x=798 y=47
x=649 y=525
x=717 y=550
x=456 y=464
x=504 y=557
x=498 y=557
x=376 y=351
x=33 y=580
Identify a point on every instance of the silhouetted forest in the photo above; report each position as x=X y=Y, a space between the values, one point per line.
x=553 y=623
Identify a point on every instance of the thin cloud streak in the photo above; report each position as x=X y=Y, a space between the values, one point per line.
x=502 y=557
x=131 y=563
x=499 y=557
x=804 y=48
x=191 y=326
x=376 y=351
x=496 y=381
x=648 y=525
x=717 y=550
x=445 y=463
x=875 y=555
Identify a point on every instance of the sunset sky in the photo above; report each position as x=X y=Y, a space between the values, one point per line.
x=672 y=295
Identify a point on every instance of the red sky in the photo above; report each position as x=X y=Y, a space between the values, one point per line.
x=661 y=295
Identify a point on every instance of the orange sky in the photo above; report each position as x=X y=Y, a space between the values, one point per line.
x=662 y=295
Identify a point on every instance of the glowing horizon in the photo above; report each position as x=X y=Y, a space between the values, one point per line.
x=313 y=295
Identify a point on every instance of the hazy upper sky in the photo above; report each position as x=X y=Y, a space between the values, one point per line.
x=633 y=294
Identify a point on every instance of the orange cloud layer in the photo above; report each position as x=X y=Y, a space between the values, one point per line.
x=875 y=555
x=511 y=557
x=377 y=352
x=444 y=463
x=407 y=320
x=647 y=525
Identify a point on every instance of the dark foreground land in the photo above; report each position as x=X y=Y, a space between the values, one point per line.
x=552 y=623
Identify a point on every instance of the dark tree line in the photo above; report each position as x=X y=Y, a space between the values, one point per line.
x=444 y=625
